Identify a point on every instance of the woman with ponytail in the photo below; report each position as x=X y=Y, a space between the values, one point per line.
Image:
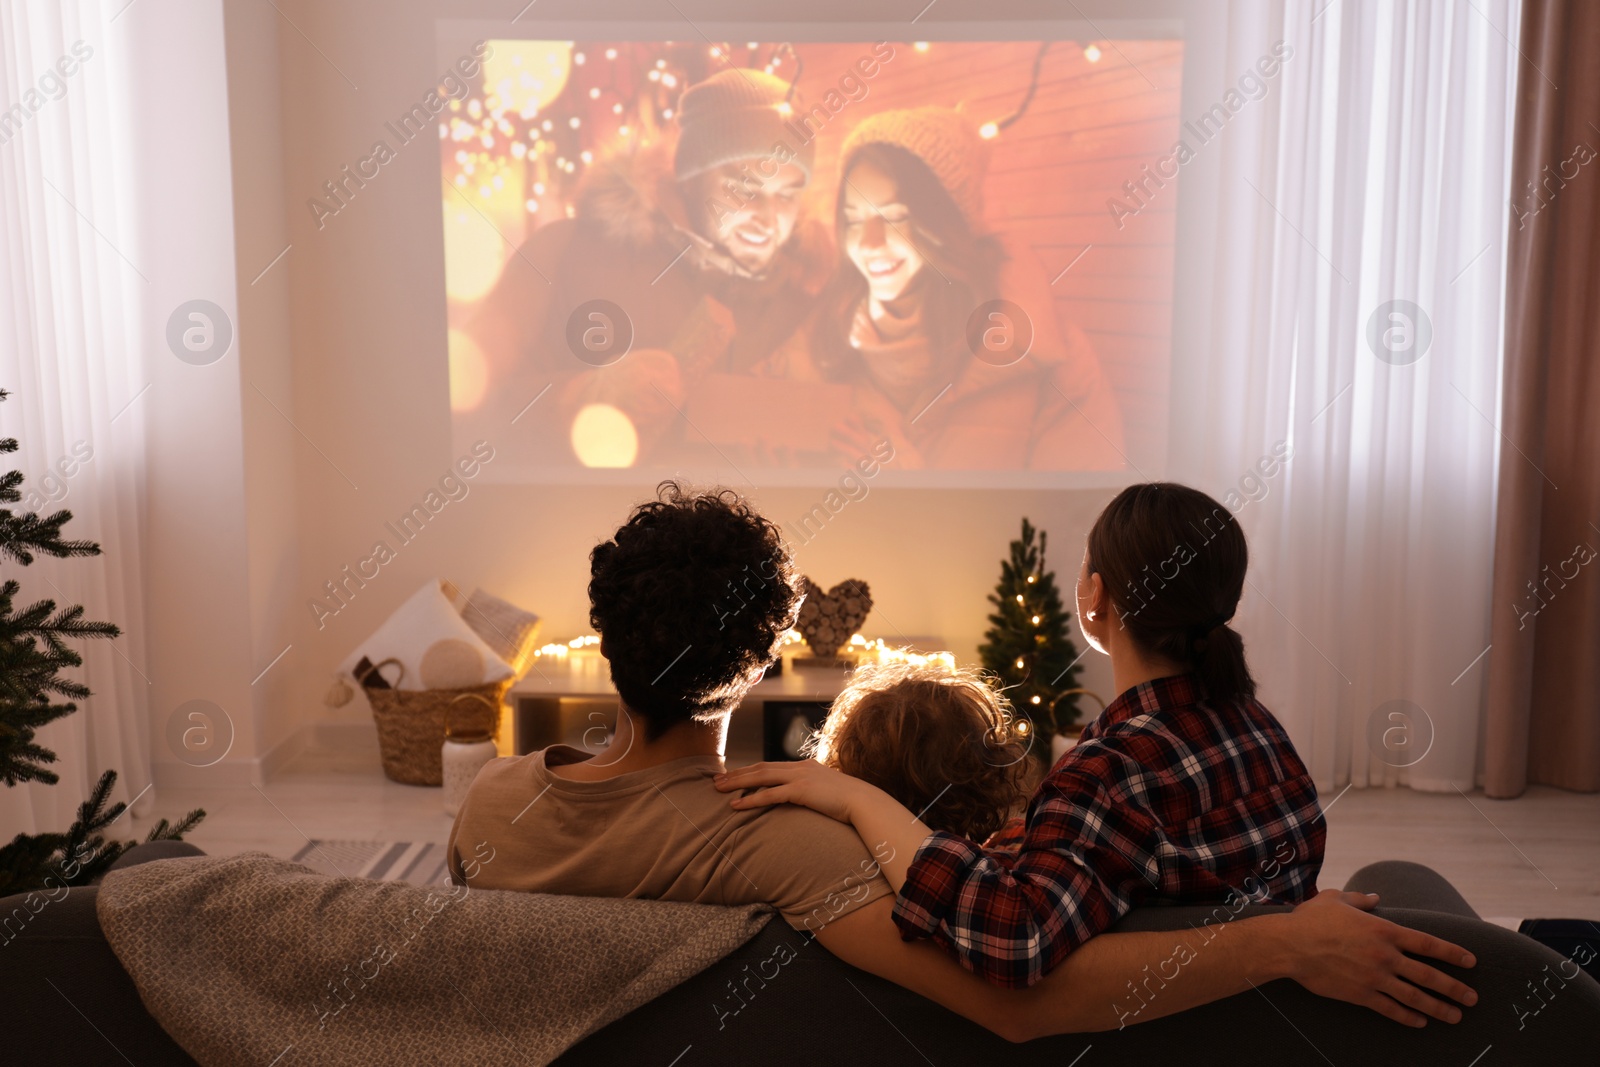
x=1184 y=790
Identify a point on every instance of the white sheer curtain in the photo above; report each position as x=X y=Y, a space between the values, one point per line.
x=1375 y=168
x=68 y=300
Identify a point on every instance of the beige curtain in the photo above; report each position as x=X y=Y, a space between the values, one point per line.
x=1543 y=723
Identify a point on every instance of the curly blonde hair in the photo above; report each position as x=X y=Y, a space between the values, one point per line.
x=941 y=740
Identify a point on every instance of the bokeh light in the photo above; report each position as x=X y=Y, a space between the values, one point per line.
x=603 y=436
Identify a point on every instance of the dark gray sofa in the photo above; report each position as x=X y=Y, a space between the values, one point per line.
x=68 y=1001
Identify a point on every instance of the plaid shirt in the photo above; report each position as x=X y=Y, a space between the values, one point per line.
x=1166 y=799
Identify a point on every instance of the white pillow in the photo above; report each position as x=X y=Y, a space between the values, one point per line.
x=433 y=643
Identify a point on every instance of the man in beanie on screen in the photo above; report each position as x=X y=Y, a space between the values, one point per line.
x=699 y=239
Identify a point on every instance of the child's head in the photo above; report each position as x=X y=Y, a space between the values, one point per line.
x=938 y=739
x=1170 y=563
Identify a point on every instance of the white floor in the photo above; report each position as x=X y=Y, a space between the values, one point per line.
x=1538 y=855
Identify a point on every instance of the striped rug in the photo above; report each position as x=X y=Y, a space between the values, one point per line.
x=421 y=863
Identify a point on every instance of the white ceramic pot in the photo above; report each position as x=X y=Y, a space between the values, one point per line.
x=463 y=758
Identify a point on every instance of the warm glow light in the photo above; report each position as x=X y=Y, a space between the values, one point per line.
x=1036 y=620
x=1036 y=700
x=1019 y=598
x=474 y=253
x=469 y=372
x=784 y=108
x=921 y=46
x=611 y=53
x=1020 y=664
x=1092 y=53
x=560 y=650
x=505 y=71
x=1030 y=579
x=603 y=436
x=889 y=654
x=988 y=130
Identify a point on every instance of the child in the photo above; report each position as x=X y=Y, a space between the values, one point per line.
x=938 y=739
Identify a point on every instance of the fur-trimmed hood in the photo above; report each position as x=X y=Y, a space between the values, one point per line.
x=635 y=199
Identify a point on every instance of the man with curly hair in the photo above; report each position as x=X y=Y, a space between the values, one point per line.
x=691 y=597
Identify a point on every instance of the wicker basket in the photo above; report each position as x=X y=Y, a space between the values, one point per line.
x=412 y=725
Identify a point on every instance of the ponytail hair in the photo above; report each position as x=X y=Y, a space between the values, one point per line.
x=1173 y=562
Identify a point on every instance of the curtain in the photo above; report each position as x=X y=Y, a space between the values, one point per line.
x=1544 y=668
x=1340 y=293
x=67 y=308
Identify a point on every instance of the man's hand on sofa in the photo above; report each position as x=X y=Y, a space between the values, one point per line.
x=1336 y=949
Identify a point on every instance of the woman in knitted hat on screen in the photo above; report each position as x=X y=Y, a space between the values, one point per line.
x=947 y=331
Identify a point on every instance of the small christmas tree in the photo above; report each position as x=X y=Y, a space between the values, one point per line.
x=1029 y=647
x=32 y=656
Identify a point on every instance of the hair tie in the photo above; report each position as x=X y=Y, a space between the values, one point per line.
x=1199 y=634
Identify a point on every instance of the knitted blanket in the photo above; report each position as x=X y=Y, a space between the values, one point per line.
x=255 y=960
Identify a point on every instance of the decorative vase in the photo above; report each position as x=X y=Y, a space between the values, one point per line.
x=463 y=757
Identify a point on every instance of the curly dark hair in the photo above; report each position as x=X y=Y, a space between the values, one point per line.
x=690 y=599
x=941 y=740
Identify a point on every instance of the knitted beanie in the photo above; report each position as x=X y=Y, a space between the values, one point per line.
x=735 y=114
x=943 y=138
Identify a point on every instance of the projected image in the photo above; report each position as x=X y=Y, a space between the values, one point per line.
x=679 y=256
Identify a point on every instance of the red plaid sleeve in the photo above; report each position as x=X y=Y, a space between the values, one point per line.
x=1075 y=875
x=1165 y=800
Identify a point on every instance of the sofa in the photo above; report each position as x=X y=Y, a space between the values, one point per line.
x=69 y=1001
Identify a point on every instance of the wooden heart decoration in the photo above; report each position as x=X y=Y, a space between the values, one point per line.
x=827 y=620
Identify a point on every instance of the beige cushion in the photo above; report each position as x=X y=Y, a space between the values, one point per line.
x=434 y=645
x=512 y=632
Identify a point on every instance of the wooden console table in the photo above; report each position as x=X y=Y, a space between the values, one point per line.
x=584 y=675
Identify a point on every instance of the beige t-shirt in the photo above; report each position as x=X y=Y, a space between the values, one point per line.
x=660 y=834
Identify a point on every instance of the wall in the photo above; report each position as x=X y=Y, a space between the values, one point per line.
x=369 y=392
x=195 y=528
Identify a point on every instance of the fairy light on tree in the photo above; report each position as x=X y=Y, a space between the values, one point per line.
x=1028 y=647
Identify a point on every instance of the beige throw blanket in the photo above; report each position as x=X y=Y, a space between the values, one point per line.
x=254 y=960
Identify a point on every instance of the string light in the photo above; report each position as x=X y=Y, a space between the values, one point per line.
x=988 y=130
x=1036 y=620
x=1019 y=598
x=1092 y=53
x=921 y=46
x=611 y=53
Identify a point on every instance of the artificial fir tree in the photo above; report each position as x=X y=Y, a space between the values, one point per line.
x=1028 y=648
x=33 y=654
